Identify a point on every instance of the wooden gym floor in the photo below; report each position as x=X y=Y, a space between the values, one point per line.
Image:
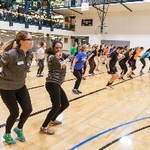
x=98 y=118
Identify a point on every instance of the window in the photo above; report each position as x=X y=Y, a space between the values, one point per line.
x=65 y=40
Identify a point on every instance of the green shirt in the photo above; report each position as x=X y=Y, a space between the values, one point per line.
x=73 y=50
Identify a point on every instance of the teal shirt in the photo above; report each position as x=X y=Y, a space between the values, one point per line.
x=145 y=55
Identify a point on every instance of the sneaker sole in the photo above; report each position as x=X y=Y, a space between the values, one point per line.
x=75 y=93
x=108 y=88
x=45 y=133
x=8 y=142
x=20 y=139
x=51 y=124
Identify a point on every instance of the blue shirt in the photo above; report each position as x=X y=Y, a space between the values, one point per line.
x=145 y=55
x=81 y=60
x=111 y=50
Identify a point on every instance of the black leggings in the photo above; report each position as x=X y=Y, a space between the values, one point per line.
x=143 y=62
x=78 y=75
x=11 y=98
x=92 y=65
x=59 y=101
x=41 y=66
x=84 y=68
x=123 y=67
x=132 y=64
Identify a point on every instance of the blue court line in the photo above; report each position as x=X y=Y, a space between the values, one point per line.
x=106 y=131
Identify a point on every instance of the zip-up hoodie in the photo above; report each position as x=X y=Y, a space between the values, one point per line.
x=14 y=68
x=55 y=72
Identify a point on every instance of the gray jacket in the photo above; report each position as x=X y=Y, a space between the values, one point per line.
x=55 y=73
x=14 y=67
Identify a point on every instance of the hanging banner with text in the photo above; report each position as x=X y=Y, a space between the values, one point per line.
x=85 y=5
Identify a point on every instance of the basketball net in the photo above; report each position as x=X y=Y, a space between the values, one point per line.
x=98 y=30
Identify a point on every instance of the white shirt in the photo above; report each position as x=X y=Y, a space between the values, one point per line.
x=40 y=53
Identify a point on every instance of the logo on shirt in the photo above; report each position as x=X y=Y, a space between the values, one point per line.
x=20 y=62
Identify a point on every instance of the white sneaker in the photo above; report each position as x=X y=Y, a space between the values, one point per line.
x=141 y=73
x=90 y=74
x=109 y=87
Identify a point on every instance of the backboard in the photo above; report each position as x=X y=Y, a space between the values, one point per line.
x=101 y=30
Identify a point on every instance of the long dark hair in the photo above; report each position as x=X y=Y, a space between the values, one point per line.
x=148 y=50
x=42 y=43
x=50 y=50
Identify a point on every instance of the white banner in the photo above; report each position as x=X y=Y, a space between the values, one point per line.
x=85 y=5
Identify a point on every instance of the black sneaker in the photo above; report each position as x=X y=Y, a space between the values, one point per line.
x=41 y=75
x=121 y=78
x=130 y=76
x=75 y=91
x=133 y=73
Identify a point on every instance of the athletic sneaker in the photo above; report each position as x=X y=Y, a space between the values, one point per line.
x=121 y=78
x=133 y=73
x=8 y=138
x=46 y=130
x=84 y=78
x=130 y=76
x=55 y=122
x=109 y=87
x=19 y=133
x=38 y=75
x=141 y=73
x=90 y=74
x=79 y=91
x=75 y=91
x=41 y=75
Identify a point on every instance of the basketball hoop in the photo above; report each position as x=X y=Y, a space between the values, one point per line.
x=99 y=28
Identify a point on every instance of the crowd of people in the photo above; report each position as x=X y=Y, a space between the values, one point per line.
x=110 y=56
x=16 y=58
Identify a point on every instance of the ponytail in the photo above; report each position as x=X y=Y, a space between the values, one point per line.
x=9 y=45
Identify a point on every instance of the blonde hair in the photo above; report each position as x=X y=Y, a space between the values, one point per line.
x=21 y=35
x=83 y=47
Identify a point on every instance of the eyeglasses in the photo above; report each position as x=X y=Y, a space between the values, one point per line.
x=28 y=39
